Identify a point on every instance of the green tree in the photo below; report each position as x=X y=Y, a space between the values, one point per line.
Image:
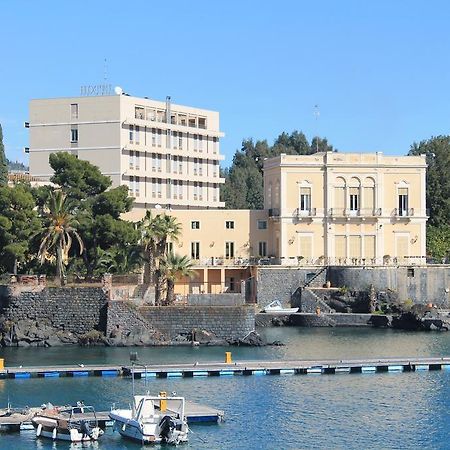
x=438 y=242
x=437 y=151
x=3 y=162
x=175 y=267
x=78 y=179
x=98 y=210
x=60 y=228
x=243 y=188
x=19 y=223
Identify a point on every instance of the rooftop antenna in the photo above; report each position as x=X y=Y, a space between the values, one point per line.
x=105 y=71
x=317 y=115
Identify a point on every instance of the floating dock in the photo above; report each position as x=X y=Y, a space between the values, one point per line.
x=217 y=369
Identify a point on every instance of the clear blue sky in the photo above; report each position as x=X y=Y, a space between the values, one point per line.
x=379 y=70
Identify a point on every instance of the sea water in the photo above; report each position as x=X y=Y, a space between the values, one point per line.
x=377 y=410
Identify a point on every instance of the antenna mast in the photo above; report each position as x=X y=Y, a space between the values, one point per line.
x=316 y=115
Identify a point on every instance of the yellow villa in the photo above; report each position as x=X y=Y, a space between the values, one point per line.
x=329 y=208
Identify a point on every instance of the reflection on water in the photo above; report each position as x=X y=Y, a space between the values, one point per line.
x=389 y=410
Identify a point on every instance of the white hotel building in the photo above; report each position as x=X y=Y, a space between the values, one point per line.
x=166 y=154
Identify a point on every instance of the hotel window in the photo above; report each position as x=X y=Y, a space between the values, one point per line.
x=168 y=188
x=137 y=136
x=195 y=137
x=159 y=138
x=262 y=224
x=150 y=114
x=136 y=160
x=229 y=250
x=202 y=122
x=180 y=141
x=200 y=143
x=200 y=191
x=195 y=190
x=192 y=122
x=182 y=120
x=153 y=137
x=159 y=188
x=74 y=110
x=195 y=225
x=195 y=166
x=403 y=201
x=305 y=199
x=200 y=167
x=131 y=134
x=229 y=224
x=136 y=186
x=214 y=144
x=139 y=112
x=262 y=248
x=354 y=199
x=195 y=250
x=180 y=164
x=74 y=135
x=214 y=189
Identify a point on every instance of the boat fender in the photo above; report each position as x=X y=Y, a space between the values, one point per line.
x=54 y=434
x=38 y=430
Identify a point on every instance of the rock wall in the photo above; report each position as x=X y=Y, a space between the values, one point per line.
x=422 y=285
x=430 y=284
x=77 y=310
x=281 y=283
x=226 y=322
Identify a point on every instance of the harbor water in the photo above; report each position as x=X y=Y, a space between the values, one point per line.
x=383 y=410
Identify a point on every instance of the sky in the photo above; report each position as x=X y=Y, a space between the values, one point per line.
x=379 y=71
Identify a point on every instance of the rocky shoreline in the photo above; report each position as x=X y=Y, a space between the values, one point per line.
x=29 y=333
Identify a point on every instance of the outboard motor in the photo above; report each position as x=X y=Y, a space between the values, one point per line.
x=85 y=428
x=166 y=426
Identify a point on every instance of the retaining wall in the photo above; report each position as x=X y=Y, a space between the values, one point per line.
x=77 y=310
x=420 y=284
x=226 y=322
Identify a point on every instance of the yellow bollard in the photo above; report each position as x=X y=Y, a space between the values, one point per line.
x=163 y=401
x=228 y=358
x=2 y=363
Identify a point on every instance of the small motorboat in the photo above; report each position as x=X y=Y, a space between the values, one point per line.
x=69 y=423
x=153 y=420
x=276 y=307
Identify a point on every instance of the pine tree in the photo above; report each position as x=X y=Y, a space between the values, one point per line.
x=3 y=162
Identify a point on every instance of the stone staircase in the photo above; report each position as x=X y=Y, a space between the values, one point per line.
x=310 y=301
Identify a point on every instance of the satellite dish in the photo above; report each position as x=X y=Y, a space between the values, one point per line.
x=118 y=90
x=158 y=206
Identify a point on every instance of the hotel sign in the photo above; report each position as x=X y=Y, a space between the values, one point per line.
x=96 y=89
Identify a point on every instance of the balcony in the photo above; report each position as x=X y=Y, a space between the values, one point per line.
x=406 y=213
x=305 y=213
x=362 y=213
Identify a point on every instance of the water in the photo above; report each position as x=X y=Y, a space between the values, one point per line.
x=389 y=410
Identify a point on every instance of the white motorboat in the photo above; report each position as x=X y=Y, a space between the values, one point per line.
x=70 y=423
x=276 y=307
x=153 y=420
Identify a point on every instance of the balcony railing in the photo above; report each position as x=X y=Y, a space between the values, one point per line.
x=407 y=212
x=363 y=212
x=299 y=213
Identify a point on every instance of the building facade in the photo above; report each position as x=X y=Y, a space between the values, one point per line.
x=166 y=154
x=347 y=208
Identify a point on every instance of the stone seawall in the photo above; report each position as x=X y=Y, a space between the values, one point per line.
x=281 y=283
x=422 y=285
x=226 y=322
x=430 y=284
x=77 y=310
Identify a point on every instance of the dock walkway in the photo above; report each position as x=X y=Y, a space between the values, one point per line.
x=206 y=369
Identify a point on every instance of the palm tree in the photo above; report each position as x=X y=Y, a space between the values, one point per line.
x=156 y=232
x=58 y=235
x=175 y=267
